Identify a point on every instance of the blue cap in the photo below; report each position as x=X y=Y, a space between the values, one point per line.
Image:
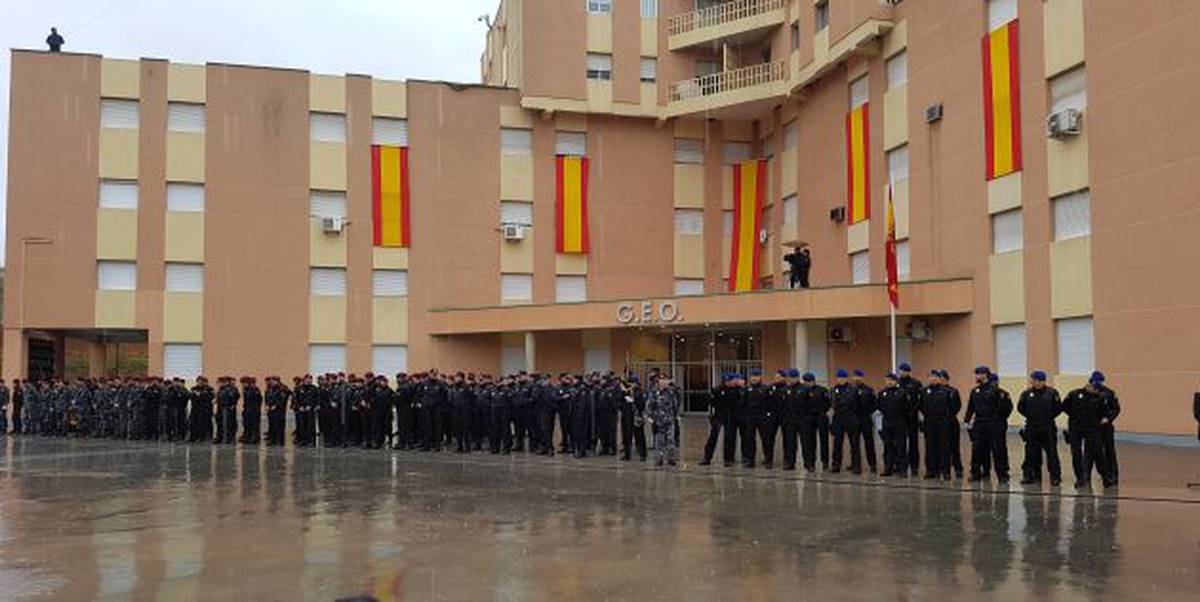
x=842 y=373
x=793 y=373
x=809 y=377
x=1097 y=378
x=1038 y=375
x=859 y=372
x=891 y=376
x=633 y=378
x=781 y=372
x=982 y=370
x=756 y=372
x=905 y=367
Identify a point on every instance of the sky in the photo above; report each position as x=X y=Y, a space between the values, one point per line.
x=390 y=39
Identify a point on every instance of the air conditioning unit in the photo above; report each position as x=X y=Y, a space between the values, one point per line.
x=840 y=334
x=890 y=2
x=919 y=330
x=1065 y=123
x=513 y=232
x=838 y=214
x=333 y=225
x=763 y=237
x=933 y=113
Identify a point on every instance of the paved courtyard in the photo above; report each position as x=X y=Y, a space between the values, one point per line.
x=83 y=520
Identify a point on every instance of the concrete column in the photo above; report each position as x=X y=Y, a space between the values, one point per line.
x=97 y=359
x=530 y=352
x=798 y=339
x=15 y=354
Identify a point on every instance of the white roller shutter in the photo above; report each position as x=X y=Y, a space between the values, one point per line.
x=897 y=160
x=791 y=210
x=570 y=143
x=185 y=277
x=516 y=142
x=897 y=70
x=597 y=360
x=185 y=117
x=516 y=212
x=689 y=286
x=327 y=127
x=791 y=135
x=390 y=283
x=1072 y=215
x=727 y=223
x=649 y=70
x=649 y=9
x=327 y=204
x=389 y=131
x=861 y=267
x=1007 y=232
x=689 y=221
x=327 y=282
x=860 y=92
x=689 y=151
x=903 y=260
x=1076 y=346
x=183 y=360
x=389 y=360
x=516 y=287
x=118 y=194
x=119 y=114
x=185 y=197
x=1000 y=12
x=1069 y=91
x=599 y=66
x=570 y=289
x=1010 y=350
x=512 y=360
x=116 y=275
x=326 y=359
x=736 y=152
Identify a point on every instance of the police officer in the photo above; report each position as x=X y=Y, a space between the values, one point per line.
x=1085 y=410
x=583 y=414
x=252 y=402
x=866 y=418
x=4 y=399
x=756 y=400
x=955 y=437
x=987 y=419
x=1111 y=409
x=633 y=410
x=227 y=399
x=608 y=405
x=662 y=409
x=939 y=406
x=815 y=406
x=894 y=407
x=845 y=422
x=791 y=417
x=201 y=416
x=721 y=407
x=1040 y=405
x=18 y=407
x=304 y=405
x=461 y=400
x=277 y=402
x=913 y=387
x=500 y=434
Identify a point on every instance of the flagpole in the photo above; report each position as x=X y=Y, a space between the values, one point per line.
x=892 y=310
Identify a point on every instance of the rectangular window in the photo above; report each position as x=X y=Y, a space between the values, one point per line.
x=897 y=70
x=512 y=360
x=1007 y=232
x=903 y=260
x=185 y=117
x=185 y=197
x=183 y=360
x=326 y=359
x=736 y=152
x=1072 y=215
x=1076 y=346
x=689 y=151
x=390 y=283
x=389 y=360
x=118 y=194
x=599 y=66
x=860 y=92
x=599 y=7
x=791 y=210
x=1010 y=350
x=707 y=68
x=327 y=127
x=727 y=223
x=821 y=15
x=796 y=35
x=516 y=142
x=649 y=9
x=897 y=160
x=389 y=131
x=116 y=275
x=570 y=143
x=689 y=286
x=1000 y=12
x=516 y=287
x=327 y=204
x=791 y=135
x=118 y=114
x=570 y=289
x=1069 y=91
x=860 y=265
x=516 y=212
x=185 y=277
x=689 y=222
x=327 y=282
x=597 y=361
x=649 y=71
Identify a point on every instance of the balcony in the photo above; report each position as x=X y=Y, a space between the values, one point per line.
x=729 y=93
x=737 y=21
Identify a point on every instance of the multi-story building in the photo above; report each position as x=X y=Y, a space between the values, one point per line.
x=236 y=219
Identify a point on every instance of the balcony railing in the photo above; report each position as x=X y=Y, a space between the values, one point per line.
x=720 y=15
x=729 y=81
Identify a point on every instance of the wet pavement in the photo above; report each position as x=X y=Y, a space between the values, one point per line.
x=95 y=520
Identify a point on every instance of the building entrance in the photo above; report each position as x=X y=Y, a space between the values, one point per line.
x=699 y=357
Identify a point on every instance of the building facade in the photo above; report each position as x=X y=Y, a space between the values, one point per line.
x=222 y=215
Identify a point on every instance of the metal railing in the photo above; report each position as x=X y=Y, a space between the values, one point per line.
x=720 y=15
x=728 y=81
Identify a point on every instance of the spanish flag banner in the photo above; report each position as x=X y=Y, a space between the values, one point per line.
x=858 y=164
x=571 y=205
x=1002 y=100
x=389 y=196
x=749 y=188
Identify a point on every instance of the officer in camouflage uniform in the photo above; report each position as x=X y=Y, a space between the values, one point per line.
x=663 y=406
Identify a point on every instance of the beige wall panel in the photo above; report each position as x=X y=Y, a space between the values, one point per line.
x=327 y=166
x=788 y=172
x=689 y=256
x=896 y=39
x=185 y=157
x=118 y=154
x=185 y=83
x=649 y=37
x=1014 y=385
x=1007 y=287
x=570 y=122
x=390 y=258
x=689 y=185
x=858 y=236
x=515 y=117
x=183 y=317
x=115 y=309
x=389 y=323
x=692 y=129
x=327 y=93
x=1062 y=35
x=857 y=67
x=599 y=96
x=326 y=319
x=389 y=98
x=599 y=33
x=116 y=234
x=900 y=203
x=1071 y=278
x=1004 y=193
x=184 y=237
x=895 y=117
x=649 y=96
x=517 y=257
x=570 y=264
x=516 y=178
x=325 y=250
x=1067 y=164
x=1065 y=383
x=120 y=78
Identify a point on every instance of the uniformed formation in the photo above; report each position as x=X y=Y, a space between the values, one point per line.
x=465 y=413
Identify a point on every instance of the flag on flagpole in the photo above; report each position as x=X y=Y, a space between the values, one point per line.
x=389 y=196
x=893 y=274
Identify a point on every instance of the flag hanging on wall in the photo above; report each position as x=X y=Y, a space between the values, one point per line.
x=1002 y=100
x=571 y=205
x=749 y=188
x=893 y=272
x=389 y=196
x=858 y=164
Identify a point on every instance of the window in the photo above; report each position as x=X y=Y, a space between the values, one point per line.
x=118 y=194
x=116 y=275
x=327 y=127
x=1010 y=350
x=649 y=72
x=791 y=135
x=183 y=360
x=736 y=152
x=860 y=264
x=516 y=142
x=707 y=68
x=570 y=143
x=649 y=9
x=512 y=360
x=689 y=286
x=1007 y=232
x=791 y=210
x=860 y=92
x=327 y=282
x=689 y=222
x=689 y=151
x=389 y=360
x=821 y=15
x=727 y=223
x=185 y=197
x=185 y=117
x=1076 y=346
x=389 y=131
x=599 y=7
x=1000 y=12
x=599 y=66
x=597 y=360
x=570 y=289
x=390 y=283
x=516 y=287
x=327 y=204
x=516 y=212
x=1072 y=215
x=118 y=114
x=185 y=277
x=1069 y=91
x=326 y=359
x=897 y=160
x=897 y=70
x=903 y=260
x=796 y=35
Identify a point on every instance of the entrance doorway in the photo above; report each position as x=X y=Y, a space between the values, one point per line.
x=698 y=358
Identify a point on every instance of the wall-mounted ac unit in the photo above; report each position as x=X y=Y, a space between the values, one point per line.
x=838 y=214
x=840 y=334
x=333 y=225
x=919 y=330
x=513 y=232
x=1065 y=123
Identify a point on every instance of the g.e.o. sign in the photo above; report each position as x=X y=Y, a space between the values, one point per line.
x=648 y=312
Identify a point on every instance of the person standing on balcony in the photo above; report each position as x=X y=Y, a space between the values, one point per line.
x=799 y=264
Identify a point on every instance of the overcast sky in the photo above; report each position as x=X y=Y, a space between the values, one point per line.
x=392 y=39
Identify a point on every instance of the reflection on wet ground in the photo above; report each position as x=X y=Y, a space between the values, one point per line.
x=82 y=520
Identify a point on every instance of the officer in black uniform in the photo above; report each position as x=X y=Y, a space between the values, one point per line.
x=500 y=433
x=913 y=387
x=1040 y=405
x=893 y=402
x=608 y=406
x=1085 y=412
x=1112 y=409
x=866 y=418
x=939 y=406
x=305 y=397
x=252 y=403
x=277 y=402
x=987 y=419
x=461 y=401
x=791 y=417
x=4 y=399
x=583 y=414
x=845 y=422
x=799 y=264
x=815 y=405
x=201 y=417
x=633 y=410
x=721 y=407
x=227 y=399
x=757 y=398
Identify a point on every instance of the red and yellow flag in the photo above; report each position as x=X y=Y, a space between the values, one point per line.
x=858 y=164
x=749 y=188
x=1002 y=100
x=389 y=196
x=571 y=205
x=893 y=272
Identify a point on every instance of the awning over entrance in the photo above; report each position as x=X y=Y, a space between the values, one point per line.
x=924 y=298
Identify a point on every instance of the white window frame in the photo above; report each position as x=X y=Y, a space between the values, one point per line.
x=689 y=222
x=389 y=131
x=389 y=360
x=903 y=260
x=1068 y=90
x=185 y=197
x=567 y=289
x=685 y=287
x=327 y=203
x=516 y=142
x=791 y=210
x=327 y=127
x=897 y=162
x=649 y=9
x=118 y=194
x=648 y=70
x=521 y=284
x=1000 y=12
x=176 y=353
x=389 y=283
x=1008 y=232
x=860 y=92
x=1011 y=349
x=897 y=70
x=338 y=282
x=183 y=277
x=116 y=275
x=119 y=114
x=860 y=267
x=599 y=7
x=187 y=117
x=336 y=352
x=1075 y=335
x=570 y=143
x=516 y=212
x=1072 y=215
x=599 y=66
